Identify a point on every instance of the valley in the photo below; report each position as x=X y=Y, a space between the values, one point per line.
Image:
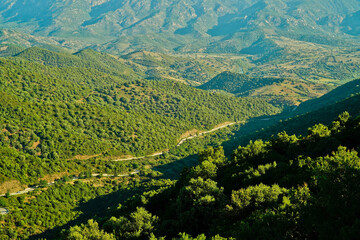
x=99 y=117
x=182 y=120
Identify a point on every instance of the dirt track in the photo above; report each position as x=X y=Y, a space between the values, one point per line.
x=179 y=144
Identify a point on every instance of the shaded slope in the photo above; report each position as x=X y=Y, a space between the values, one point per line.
x=347 y=90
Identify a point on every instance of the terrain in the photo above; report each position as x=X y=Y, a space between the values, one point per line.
x=183 y=120
x=305 y=40
x=278 y=91
x=66 y=106
x=49 y=135
x=216 y=186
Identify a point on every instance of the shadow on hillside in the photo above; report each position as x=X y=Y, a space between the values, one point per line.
x=98 y=208
x=172 y=170
x=103 y=207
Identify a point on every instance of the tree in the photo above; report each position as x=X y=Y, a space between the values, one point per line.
x=90 y=231
x=198 y=204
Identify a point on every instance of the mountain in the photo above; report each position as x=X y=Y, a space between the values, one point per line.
x=174 y=22
x=307 y=40
x=302 y=40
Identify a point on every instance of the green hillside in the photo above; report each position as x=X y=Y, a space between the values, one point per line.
x=266 y=189
x=277 y=91
x=8 y=50
x=290 y=187
x=83 y=59
x=182 y=120
x=75 y=106
x=345 y=91
x=238 y=84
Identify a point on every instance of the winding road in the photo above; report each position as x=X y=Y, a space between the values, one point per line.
x=180 y=143
x=30 y=189
x=4 y=211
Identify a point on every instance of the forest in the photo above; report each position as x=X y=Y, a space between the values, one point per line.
x=289 y=187
x=97 y=112
x=66 y=118
x=179 y=120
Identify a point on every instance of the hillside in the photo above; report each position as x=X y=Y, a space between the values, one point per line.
x=189 y=69
x=277 y=91
x=345 y=91
x=83 y=59
x=238 y=84
x=88 y=103
x=182 y=120
x=260 y=166
x=284 y=188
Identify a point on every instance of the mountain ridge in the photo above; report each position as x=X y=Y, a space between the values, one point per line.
x=203 y=21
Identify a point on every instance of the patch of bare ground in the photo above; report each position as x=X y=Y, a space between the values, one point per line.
x=85 y=157
x=223 y=124
x=189 y=133
x=118 y=157
x=11 y=186
x=35 y=145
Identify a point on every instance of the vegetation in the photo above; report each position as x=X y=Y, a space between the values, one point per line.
x=70 y=115
x=277 y=91
x=63 y=112
x=68 y=203
x=238 y=84
x=285 y=188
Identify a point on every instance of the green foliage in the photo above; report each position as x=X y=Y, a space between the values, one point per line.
x=90 y=231
x=238 y=84
x=319 y=131
x=255 y=196
x=287 y=188
x=139 y=225
x=61 y=112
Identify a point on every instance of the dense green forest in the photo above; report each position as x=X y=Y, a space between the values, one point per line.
x=289 y=187
x=279 y=91
x=65 y=117
x=284 y=188
x=54 y=110
x=182 y=120
x=238 y=84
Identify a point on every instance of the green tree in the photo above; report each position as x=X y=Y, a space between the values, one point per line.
x=89 y=231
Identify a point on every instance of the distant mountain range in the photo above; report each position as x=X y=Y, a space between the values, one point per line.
x=186 y=25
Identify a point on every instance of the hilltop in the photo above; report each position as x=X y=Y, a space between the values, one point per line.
x=278 y=91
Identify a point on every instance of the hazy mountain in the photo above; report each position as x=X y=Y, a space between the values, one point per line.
x=186 y=25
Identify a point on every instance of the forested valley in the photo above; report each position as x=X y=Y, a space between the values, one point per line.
x=97 y=144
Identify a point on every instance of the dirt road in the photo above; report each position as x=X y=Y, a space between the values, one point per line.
x=180 y=143
x=30 y=189
x=4 y=211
